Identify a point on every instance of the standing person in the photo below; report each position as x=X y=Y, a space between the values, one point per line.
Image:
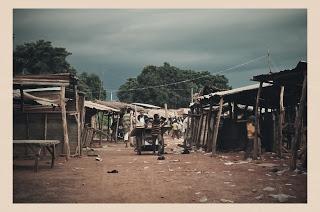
x=156 y=134
x=251 y=129
x=126 y=122
x=175 y=129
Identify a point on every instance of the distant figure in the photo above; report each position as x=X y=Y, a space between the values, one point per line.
x=126 y=122
x=156 y=134
x=251 y=129
x=175 y=130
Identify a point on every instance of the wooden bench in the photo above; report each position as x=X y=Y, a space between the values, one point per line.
x=36 y=147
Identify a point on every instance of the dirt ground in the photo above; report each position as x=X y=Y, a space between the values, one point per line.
x=180 y=178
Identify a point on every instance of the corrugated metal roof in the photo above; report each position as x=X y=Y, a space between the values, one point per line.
x=234 y=91
x=146 y=105
x=97 y=106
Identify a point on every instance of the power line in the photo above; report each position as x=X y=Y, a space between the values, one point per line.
x=189 y=80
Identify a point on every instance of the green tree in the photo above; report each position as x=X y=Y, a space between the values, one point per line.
x=92 y=86
x=175 y=95
x=40 y=57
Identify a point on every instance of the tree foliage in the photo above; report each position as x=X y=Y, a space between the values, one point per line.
x=92 y=86
x=41 y=57
x=175 y=95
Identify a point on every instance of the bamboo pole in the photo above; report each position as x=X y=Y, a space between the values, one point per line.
x=216 y=127
x=257 y=118
x=78 y=121
x=297 y=124
x=64 y=122
x=281 y=119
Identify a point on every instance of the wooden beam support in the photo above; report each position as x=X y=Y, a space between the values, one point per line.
x=216 y=127
x=257 y=118
x=298 y=123
x=209 y=144
x=281 y=120
x=64 y=123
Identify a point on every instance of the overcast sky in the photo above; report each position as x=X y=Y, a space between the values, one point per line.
x=117 y=44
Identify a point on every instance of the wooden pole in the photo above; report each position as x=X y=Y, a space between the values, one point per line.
x=257 y=118
x=78 y=121
x=199 y=128
x=297 y=124
x=118 y=118
x=22 y=99
x=281 y=119
x=45 y=126
x=205 y=131
x=209 y=129
x=64 y=122
x=216 y=127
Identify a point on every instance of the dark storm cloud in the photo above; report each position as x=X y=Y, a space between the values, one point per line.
x=119 y=43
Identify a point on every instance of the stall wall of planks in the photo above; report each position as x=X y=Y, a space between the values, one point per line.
x=279 y=104
x=48 y=107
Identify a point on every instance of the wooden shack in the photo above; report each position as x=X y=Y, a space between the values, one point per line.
x=291 y=110
x=278 y=103
x=48 y=107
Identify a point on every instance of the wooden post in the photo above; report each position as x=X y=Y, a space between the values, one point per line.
x=64 y=122
x=256 y=142
x=281 y=119
x=82 y=118
x=297 y=124
x=118 y=118
x=216 y=127
x=78 y=120
x=199 y=128
x=209 y=129
x=22 y=99
x=205 y=130
x=45 y=126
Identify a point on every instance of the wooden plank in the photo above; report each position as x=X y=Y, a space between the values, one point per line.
x=64 y=123
x=40 y=142
x=281 y=119
x=256 y=142
x=216 y=127
x=297 y=124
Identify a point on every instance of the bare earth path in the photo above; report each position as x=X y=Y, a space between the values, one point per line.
x=180 y=178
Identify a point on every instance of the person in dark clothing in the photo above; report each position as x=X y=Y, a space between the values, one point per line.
x=157 y=135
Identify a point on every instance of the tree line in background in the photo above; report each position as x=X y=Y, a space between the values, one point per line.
x=41 y=57
x=176 y=95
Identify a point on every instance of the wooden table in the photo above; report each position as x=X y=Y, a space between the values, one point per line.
x=36 y=147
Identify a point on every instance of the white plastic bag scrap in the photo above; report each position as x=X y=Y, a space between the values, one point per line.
x=268 y=188
x=226 y=201
x=281 y=197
